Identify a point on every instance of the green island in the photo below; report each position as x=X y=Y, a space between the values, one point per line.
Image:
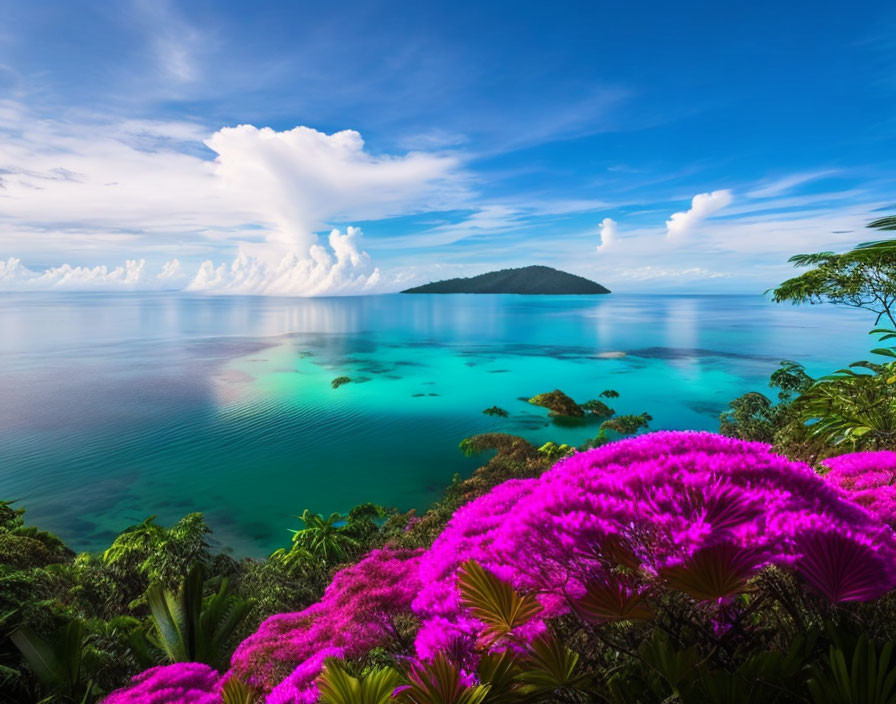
x=753 y=566
x=530 y=280
x=496 y=411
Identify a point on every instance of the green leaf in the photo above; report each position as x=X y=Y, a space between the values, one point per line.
x=865 y=679
x=235 y=691
x=551 y=666
x=712 y=572
x=169 y=621
x=337 y=686
x=439 y=682
x=500 y=670
x=190 y=629
x=373 y=687
x=39 y=655
x=612 y=600
x=493 y=601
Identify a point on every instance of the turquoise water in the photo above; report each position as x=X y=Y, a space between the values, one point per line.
x=114 y=407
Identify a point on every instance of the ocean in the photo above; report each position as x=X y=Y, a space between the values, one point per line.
x=117 y=406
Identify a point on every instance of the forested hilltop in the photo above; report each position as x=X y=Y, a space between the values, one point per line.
x=754 y=566
x=533 y=280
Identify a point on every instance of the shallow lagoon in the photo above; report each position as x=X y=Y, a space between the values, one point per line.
x=113 y=407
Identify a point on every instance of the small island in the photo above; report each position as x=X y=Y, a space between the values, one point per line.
x=533 y=280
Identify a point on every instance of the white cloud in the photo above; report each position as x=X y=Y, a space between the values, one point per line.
x=702 y=206
x=300 y=179
x=747 y=254
x=608 y=231
x=171 y=270
x=240 y=208
x=95 y=190
x=773 y=237
x=133 y=275
x=113 y=180
x=347 y=270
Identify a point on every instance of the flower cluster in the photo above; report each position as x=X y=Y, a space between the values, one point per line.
x=183 y=683
x=355 y=614
x=300 y=687
x=696 y=511
x=869 y=478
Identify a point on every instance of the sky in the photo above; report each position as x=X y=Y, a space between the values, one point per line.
x=310 y=148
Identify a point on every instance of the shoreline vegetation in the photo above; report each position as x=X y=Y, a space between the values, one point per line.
x=753 y=566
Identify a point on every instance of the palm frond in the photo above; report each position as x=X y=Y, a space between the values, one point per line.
x=439 y=682
x=235 y=691
x=613 y=599
x=493 y=601
x=713 y=572
x=551 y=666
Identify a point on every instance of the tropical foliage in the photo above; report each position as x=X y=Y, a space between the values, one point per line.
x=671 y=565
x=864 y=277
x=755 y=416
x=189 y=628
x=63 y=665
x=854 y=407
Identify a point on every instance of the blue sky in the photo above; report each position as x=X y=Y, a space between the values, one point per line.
x=650 y=146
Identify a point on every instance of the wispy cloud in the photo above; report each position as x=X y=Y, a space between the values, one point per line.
x=175 y=43
x=652 y=273
x=485 y=220
x=782 y=185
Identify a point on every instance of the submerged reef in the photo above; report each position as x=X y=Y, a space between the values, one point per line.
x=339 y=381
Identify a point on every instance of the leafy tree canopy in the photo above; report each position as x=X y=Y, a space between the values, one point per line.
x=864 y=277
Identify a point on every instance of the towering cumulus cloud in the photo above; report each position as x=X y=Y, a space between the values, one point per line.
x=296 y=181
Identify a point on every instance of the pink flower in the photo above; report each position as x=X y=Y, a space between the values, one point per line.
x=301 y=687
x=869 y=478
x=181 y=683
x=354 y=616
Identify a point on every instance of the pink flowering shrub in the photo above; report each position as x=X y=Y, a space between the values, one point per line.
x=597 y=534
x=183 y=683
x=869 y=478
x=695 y=511
x=300 y=686
x=354 y=616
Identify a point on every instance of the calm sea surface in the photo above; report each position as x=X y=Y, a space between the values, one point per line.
x=114 y=407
